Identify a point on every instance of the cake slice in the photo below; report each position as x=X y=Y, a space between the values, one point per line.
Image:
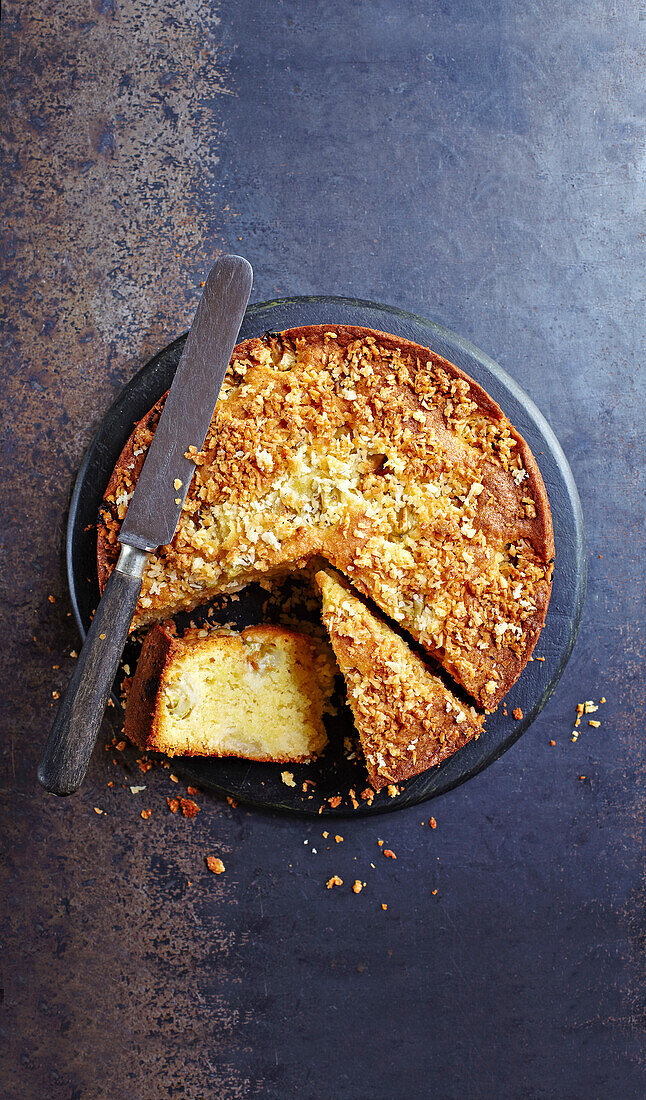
x=259 y=694
x=406 y=718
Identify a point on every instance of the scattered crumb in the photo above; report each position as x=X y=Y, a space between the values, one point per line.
x=383 y=905
x=368 y=795
x=552 y=743
x=144 y=766
x=357 y=886
x=575 y=735
x=581 y=777
x=326 y=835
x=97 y=810
x=334 y=881
x=214 y=864
x=339 y=839
x=173 y=805
x=288 y=779
x=173 y=778
x=539 y=658
x=177 y=484
x=517 y=713
x=602 y=699
x=135 y=790
x=52 y=599
x=392 y=790
x=56 y=695
x=189 y=808
x=111 y=783
x=120 y=746
x=102 y=637
x=434 y=892
x=380 y=843
x=433 y=823
x=73 y=653
x=334 y=802
x=192 y=790
x=389 y=854
x=593 y=723
x=146 y=814
x=232 y=802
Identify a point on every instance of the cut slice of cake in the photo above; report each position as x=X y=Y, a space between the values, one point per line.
x=260 y=694
x=406 y=718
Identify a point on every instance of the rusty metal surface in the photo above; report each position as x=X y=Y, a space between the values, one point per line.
x=478 y=163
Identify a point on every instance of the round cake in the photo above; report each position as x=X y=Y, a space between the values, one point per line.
x=384 y=459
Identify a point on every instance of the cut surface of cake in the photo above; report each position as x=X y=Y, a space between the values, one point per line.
x=260 y=694
x=407 y=720
x=386 y=460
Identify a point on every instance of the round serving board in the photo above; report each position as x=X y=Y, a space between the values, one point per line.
x=334 y=774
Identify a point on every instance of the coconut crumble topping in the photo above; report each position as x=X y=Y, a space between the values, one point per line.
x=406 y=718
x=385 y=461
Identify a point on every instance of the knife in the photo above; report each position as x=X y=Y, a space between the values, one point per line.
x=151 y=519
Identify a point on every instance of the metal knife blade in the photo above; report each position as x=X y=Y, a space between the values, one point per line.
x=155 y=507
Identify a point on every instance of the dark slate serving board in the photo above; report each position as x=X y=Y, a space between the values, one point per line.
x=333 y=773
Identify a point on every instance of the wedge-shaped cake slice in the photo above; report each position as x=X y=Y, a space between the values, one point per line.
x=259 y=694
x=406 y=718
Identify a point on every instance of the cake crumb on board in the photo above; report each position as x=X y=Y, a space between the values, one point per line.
x=189 y=808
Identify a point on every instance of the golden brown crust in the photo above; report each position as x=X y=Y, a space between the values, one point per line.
x=407 y=720
x=156 y=654
x=448 y=529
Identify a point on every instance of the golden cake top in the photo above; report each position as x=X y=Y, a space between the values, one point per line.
x=383 y=458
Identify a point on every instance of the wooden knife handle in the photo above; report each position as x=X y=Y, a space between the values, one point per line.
x=76 y=726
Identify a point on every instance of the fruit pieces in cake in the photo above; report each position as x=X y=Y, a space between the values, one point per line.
x=260 y=694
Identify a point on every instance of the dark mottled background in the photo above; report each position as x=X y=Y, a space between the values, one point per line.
x=476 y=161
